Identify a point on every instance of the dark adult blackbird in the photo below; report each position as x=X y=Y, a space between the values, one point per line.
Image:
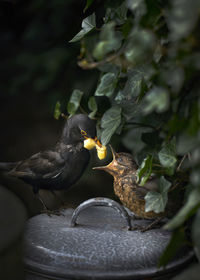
x=124 y=170
x=62 y=166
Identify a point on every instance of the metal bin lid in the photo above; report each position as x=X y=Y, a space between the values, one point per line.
x=93 y=242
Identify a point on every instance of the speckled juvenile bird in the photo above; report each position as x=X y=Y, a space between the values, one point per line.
x=62 y=166
x=124 y=170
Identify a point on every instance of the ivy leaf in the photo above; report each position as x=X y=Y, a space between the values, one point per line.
x=186 y=211
x=88 y=4
x=167 y=156
x=183 y=17
x=118 y=13
x=57 y=111
x=196 y=234
x=88 y=24
x=176 y=242
x=192 y=272
x=110 y=121
x=109 y=41
x=74 y=101
x=137 y=7
x=157 y=99
x=195 y=175
x=92 y=105
x=107 y=85
x=140 y=47
x=174 y=77
x=145 y=170
x=156 y=201
x=152 y=139
x=132 y=139
x=133 y=85
x=186 y=143
x=136 y=77
x=121 y=13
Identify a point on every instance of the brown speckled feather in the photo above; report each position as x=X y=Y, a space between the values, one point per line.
x=132 y=196
x=124 y=169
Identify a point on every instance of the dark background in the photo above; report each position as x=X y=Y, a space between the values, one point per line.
x=39 y=67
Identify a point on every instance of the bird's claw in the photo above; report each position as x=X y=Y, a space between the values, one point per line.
x=140 y=228
x=50 y=213
x=153 y=225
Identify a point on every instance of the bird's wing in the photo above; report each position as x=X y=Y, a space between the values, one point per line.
x=129 y=182
x=48 y=164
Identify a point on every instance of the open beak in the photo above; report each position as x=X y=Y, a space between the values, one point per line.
x=90 y=143
x=111 y=167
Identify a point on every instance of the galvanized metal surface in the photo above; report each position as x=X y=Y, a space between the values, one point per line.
x=99 y=247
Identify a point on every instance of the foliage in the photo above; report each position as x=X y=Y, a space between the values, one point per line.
x=157 y=200
x=148 y=56
x=88 y=24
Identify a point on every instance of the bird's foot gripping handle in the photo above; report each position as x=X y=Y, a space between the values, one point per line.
x=101 y=201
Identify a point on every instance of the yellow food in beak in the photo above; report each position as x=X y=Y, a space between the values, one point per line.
x=90 y=143
x=101 y=151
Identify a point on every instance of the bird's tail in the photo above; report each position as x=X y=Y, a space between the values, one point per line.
x=7 y=166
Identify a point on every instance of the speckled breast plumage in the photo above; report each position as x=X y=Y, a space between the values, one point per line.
x=132 y=196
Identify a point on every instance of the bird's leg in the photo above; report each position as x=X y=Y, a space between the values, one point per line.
x=58 y=198
x=43 y=203
x=149 y=226
x=58 y=212
x=45 y=208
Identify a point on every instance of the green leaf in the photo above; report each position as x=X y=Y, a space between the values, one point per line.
x=107 y=85
x=88 y=4
x=156 y=201
x=167 y=155
x=92 y=105
x=196 y=234
x=138 y=7
x=157 y=99
x=110 y=40
x=133 y=85
x=172 y=248
x=152 y=139
x=132 y=139
x=192 y=272
x=140 y=47
x=195 y=176
x=136 y=77
x=74 y=101
x=57 y=111
x=182 y=17
x=88 y=24
x=144 y=172
x=110 y=121
x=116 y=11
x=121 y=13
x=187 y=143
x=174 y=77
x=186 y=211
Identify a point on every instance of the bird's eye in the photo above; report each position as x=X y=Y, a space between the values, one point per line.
x=120 y=160
x=83 y=132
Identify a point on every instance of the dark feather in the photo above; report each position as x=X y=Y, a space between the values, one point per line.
x=60 y=167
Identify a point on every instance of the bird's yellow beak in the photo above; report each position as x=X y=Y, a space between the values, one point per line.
x=90 y=143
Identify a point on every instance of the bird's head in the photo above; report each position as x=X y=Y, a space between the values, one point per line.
x=80 y=128
x=122 y=164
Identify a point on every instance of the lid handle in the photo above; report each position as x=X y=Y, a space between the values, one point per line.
x=101 y=201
